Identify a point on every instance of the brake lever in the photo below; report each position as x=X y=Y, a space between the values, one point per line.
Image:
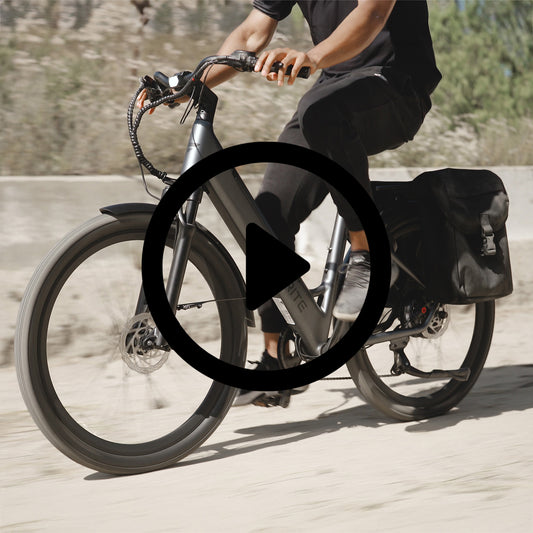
x=153 y=90
x=173 y=83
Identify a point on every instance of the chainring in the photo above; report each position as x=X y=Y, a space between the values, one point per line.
x=289 y=357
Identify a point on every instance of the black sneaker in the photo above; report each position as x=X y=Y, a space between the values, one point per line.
x=266 y=398
x=355 y=287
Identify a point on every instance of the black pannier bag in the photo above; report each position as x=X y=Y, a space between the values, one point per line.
x=464 y=241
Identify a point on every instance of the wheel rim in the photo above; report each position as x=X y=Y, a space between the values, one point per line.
x=460 y=346
x=143 y=415
x=461 y=340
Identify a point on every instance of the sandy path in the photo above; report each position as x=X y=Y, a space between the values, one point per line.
x=329 y=462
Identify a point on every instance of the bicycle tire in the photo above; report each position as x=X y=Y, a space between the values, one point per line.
x=408 y=398
x=41 y=356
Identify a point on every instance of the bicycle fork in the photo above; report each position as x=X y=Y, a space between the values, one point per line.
x=185 y=230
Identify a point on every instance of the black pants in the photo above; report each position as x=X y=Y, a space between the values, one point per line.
x=347 y=118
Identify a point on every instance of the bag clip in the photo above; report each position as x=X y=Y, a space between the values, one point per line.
x=487 y=236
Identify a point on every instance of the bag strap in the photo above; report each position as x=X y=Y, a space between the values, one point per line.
x=487 y=236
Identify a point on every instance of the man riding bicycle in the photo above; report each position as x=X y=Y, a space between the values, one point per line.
x=378 y=71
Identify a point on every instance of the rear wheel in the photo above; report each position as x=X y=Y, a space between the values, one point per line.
x=459 y=336
x=88 y=372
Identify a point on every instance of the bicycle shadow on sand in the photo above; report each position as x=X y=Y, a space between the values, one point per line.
x=499 y=390
x=253 y=438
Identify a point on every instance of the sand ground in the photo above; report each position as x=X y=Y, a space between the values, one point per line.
x=327 y=463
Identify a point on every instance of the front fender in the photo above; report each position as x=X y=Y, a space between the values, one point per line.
x=120 y=210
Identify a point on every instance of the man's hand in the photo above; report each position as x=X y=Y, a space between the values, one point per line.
x=287 y=56
x=143 y=96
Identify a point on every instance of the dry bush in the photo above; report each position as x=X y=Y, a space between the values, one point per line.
x=66 y=77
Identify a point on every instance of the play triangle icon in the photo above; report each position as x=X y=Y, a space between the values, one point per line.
x=270 y=266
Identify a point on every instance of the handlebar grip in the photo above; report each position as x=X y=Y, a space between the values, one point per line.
x=303 y=73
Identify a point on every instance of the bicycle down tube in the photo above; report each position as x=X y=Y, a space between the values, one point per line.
x=237 y=208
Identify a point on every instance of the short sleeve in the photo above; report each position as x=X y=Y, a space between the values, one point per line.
x=276 y=9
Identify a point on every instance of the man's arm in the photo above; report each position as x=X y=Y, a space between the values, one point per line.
x=253 y=35
x=353 y=35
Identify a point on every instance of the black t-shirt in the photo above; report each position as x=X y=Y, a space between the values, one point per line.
x=404 y=43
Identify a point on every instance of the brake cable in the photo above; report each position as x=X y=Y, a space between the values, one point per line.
x=133 y=125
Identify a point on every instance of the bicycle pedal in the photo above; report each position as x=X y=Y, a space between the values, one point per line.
x=277 y=399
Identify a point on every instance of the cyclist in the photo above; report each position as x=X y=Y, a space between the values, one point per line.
x=378 y=71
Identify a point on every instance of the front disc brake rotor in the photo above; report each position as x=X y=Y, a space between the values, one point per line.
x=137 y=345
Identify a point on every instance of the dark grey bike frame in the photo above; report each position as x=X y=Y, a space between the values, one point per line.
x=237 y=208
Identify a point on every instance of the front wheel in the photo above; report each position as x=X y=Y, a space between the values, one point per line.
x=87 y=374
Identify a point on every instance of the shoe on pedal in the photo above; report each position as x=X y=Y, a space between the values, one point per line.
x=353 y=292
x=266 y=398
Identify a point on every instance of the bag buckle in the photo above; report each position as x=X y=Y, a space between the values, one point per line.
x=487 y=236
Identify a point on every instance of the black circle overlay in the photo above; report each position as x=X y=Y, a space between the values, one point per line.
x=194 y=178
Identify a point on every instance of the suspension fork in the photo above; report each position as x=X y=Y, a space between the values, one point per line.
x=181 y=248
x=185 y=230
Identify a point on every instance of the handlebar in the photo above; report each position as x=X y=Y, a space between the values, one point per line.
x=163 y=89
x=240 y=60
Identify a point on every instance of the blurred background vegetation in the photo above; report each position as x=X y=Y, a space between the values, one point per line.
x=69 y=67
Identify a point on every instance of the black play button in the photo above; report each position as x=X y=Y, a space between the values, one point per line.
x=270 y=266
